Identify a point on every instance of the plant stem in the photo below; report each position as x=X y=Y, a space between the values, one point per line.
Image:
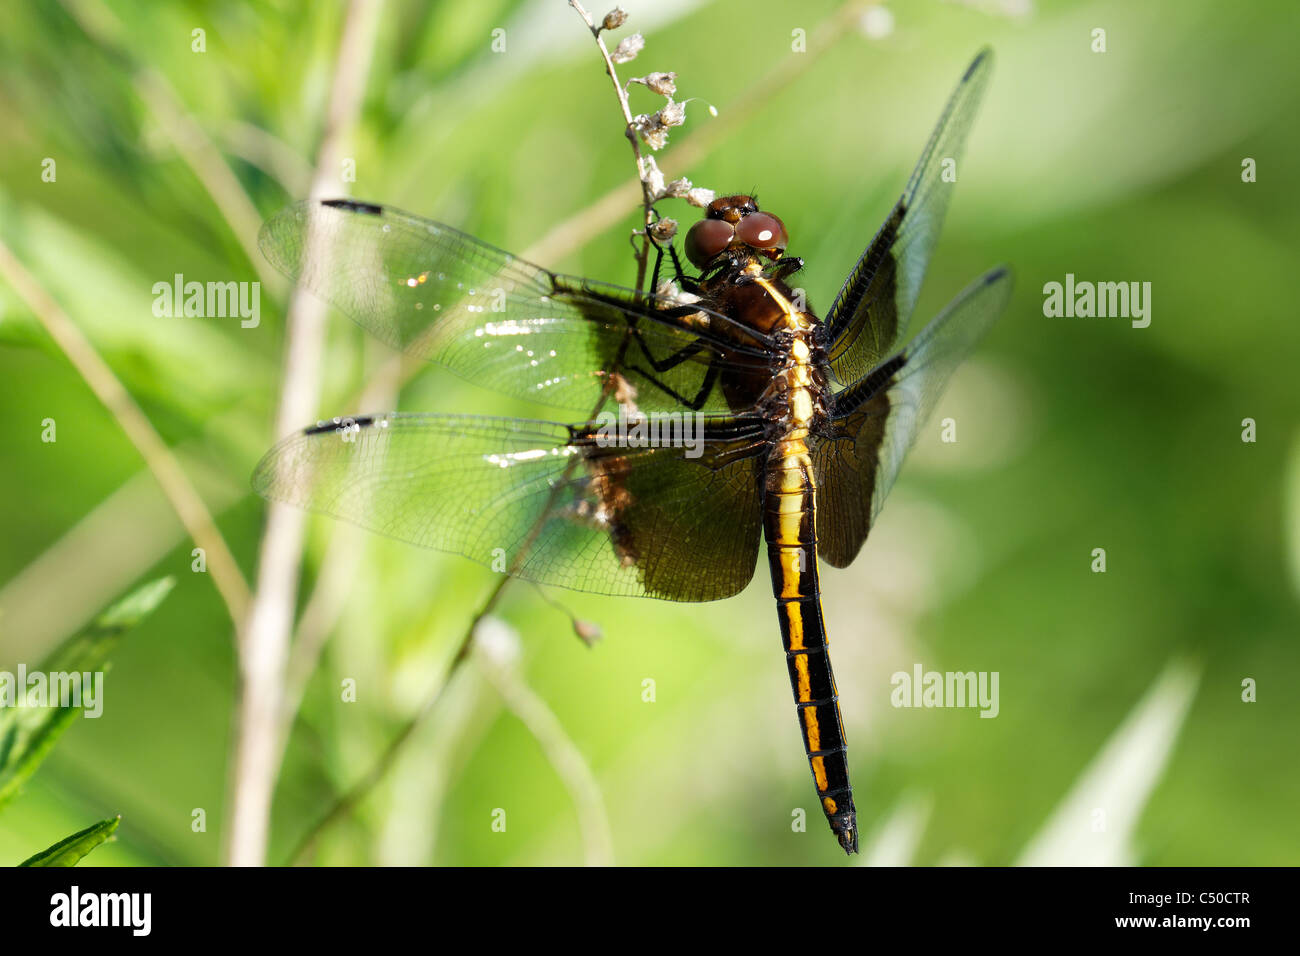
x=264 y=644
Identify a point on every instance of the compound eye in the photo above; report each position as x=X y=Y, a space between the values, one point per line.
x=706 y=239
x=762 y=230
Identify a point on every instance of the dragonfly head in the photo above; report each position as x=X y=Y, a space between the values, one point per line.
x=735 y=222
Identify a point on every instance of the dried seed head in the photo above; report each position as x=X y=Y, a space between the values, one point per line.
x=628 y=48
x=665 y=84
x=656 y=138
x=678 y=188
x=654 y=128
x=673 y=114
x=625 y=394
x=654 y=178
x=589 y=631
x=651 y=130
x=663 y=230
x=668 y=290
x=700 y=197
x=614 y=19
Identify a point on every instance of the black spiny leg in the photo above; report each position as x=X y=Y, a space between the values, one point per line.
x=679 y=274
x=686 y=352
x=694 y=404
x=686 y=282
x=786 y=266
x=671 y=362
x=659 y=261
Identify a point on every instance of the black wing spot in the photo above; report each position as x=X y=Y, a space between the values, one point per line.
x=335 y=424
x=351 y=205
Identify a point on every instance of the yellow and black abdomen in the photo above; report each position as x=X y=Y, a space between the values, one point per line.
x=789 y=525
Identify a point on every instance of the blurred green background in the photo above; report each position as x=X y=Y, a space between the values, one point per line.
x=1073 y=434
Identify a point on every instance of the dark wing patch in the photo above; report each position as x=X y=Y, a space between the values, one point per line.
x=551 y=502
x=877 y=420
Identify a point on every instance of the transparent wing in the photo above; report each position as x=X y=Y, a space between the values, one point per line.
x=442 y=295
x=869 y=316
x=550 y=503
x=877 y=420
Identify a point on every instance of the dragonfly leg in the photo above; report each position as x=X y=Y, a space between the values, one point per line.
x=671 y=361
x=786 y=266
x=694 y=404
x=679 y=274
x=686 y=282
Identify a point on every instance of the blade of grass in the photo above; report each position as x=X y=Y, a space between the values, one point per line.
x=1094 y=823
x=29 y=733
x=73 y=849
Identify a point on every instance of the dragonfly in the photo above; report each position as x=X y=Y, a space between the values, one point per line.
x=719 y=416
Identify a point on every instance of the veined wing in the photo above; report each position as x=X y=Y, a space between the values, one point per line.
x=551 y=503
x=877 y=419
x=869 y=316
x=442 y=295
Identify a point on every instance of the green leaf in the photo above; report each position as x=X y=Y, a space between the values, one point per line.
x=27 y=734
x=70 y=851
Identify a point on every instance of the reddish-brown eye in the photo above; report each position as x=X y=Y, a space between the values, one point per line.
x=762 y=230
x=706 y=239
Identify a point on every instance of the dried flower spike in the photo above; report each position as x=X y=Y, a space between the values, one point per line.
x=648 y=127
x=665 y=84
x=588 y=631
x=663 y=230
x=673 y=114
x=678 y=188
x=700 y=197
x=653 y=177
x=628 y=48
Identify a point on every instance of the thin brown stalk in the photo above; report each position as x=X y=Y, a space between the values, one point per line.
x=643 y=167
x=264 y=645
x=171 y=477
x=357 y=792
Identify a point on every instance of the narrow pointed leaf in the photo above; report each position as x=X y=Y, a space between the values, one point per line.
x=70 y=851
x=27 y=734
